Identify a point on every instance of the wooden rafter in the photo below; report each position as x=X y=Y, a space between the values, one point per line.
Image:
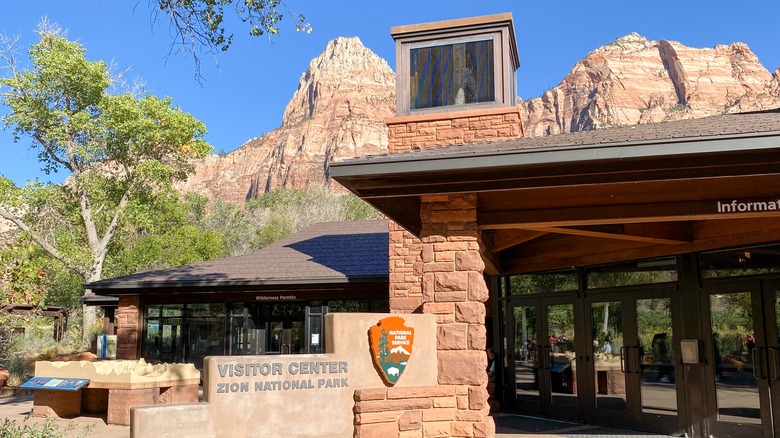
x=503 y=239
x=670 y=233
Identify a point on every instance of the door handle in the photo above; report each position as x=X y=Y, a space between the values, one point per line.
x=773 y=375
x=538 y=353
x=638 y=360
x=756 y=363
x=546 y=362
x=623 y=356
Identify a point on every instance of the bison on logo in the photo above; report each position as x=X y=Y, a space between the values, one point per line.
x=391 y=345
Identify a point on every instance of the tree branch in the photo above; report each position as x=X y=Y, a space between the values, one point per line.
x=114 y=221
x=43 y=243
x=51 y=152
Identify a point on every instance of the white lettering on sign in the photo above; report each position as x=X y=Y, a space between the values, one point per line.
x=748 y=206
x=298 y=369
x=276 y=297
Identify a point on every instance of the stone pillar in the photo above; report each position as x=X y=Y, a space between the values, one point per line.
x=405 y=271
x=446 y=265
x=127 y=317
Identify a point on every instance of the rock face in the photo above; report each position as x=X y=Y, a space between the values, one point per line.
x=337 y=112
x=634 y=80
x=347 y=92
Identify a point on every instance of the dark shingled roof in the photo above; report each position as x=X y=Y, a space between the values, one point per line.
x=330 y=252
x=715 y=127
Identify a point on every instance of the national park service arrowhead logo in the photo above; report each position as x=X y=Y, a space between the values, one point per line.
x=391 y=345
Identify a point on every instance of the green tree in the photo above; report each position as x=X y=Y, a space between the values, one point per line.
x=116 y=147
x=159 y=234
x=22 y=276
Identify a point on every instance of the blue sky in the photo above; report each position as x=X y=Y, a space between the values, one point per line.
x=246 y=94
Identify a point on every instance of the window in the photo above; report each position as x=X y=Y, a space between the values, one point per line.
x=456 y=65
x=652 y=271
x=452 y=74
x=543 y=282
x=740 y=262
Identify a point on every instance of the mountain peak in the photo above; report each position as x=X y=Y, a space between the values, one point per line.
x=630 y=43
x=345 y=62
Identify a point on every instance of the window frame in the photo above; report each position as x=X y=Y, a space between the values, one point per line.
x=504 y=67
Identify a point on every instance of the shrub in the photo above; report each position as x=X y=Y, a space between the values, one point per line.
x=47 y=429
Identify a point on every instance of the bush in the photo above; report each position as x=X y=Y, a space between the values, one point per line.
x=47 y=429
x=19 y=351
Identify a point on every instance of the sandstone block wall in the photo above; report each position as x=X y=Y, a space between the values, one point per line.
x=425 y=411
x=423 y=131
x=127 y=327
x=441 y=273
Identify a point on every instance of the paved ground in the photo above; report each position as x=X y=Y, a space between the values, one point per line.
x=19 y=406
x=519 y=425
x=507 y=426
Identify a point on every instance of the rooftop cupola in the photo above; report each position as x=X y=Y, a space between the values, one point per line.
x=455 y=83
x=456 y=65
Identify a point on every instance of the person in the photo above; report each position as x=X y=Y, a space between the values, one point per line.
x=717 y=356
x=491 y=369
x=563 y=341
x=607 y=347
x=491 y=386
x=660 y=346
x=554 y=344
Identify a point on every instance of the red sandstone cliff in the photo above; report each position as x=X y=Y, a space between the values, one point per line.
x=338 y=111
x=634 y=80
x=343 y=98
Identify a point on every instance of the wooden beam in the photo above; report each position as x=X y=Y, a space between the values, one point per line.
x=503 y=239
x=492 y=261
x=576 y=251
x=626 y=193
x=669 y=232
x=649 y=233
x=629 y=214
x=479 y=180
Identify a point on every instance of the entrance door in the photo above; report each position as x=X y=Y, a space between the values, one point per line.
x=542 y=357
x=253 y=332
x=632 y=377
x=743 y=371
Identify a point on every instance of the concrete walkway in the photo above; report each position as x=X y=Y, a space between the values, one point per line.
x=17 y=407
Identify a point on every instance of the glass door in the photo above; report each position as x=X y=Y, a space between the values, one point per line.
x=543 y=356
x=631 y=361
x=610 y=362
x=742 y=357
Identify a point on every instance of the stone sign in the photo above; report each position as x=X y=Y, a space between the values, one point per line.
x=296 y=395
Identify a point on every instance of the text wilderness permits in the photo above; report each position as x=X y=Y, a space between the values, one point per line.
x=391 y=345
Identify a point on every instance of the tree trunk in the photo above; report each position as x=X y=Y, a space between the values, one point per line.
x=89 y=313
x=88 y=320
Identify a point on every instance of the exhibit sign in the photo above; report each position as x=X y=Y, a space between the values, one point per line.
x=55 y=383
x=391 y=347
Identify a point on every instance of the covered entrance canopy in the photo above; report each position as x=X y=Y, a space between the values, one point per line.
x=595 y=197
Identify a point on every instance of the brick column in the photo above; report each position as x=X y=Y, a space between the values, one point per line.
x=442 y=273
x=127 y=316
x=405 y=271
